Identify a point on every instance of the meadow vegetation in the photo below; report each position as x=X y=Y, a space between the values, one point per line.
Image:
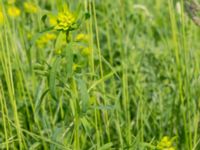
x=99 y=75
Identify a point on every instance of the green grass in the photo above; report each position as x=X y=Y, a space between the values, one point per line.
x=139 y=83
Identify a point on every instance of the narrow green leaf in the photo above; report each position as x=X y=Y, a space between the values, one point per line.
x=106 y=146
x=83 y=94
x=103 y=107
x=52 y=77
x=34 y=146
x=60 y=41
x=39 y=101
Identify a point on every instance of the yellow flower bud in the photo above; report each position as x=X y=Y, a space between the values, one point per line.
x=13 y=11
x=30 y=7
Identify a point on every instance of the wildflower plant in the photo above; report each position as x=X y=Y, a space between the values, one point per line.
x=58 y=30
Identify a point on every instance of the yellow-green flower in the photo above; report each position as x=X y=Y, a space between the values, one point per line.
x=165 y=144
x=43 y=40
x=50 y=36
x=1 y=18
x=30 y=7
x=13 y=11
x=82 y=37
x=65 y=21
x=11 y=1
x=86 y=51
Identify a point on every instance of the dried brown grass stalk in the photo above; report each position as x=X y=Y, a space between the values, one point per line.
x=193 y=9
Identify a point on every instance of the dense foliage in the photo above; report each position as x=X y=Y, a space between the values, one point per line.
x=99 y=74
